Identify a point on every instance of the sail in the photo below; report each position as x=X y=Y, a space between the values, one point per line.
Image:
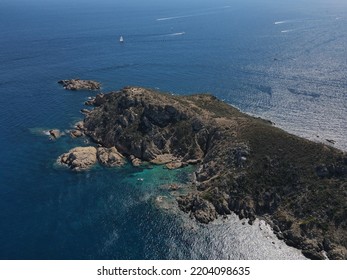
x=121 y=39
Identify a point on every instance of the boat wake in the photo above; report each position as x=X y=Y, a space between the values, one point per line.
x=280 y=22
x=170 y=18
x=176 y=34
x=288 y=30
x=169 y=34
x=206 y=12
x=293 y=21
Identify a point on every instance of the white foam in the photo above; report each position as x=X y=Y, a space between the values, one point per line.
x=280 y=22
x=286 y=31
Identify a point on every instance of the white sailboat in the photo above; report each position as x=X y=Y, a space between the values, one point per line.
x=121 y=39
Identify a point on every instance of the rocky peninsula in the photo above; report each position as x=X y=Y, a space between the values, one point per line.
x=243 y=164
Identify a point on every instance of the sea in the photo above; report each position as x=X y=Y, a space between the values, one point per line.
x=285 y=61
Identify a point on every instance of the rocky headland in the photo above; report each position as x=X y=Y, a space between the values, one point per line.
x=243 y=164
x=77 y=84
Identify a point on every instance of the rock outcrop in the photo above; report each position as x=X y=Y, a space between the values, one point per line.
x=244 y=164
x=76 y=133
x=78 y=130
x=79 y=158
x=135 y=161
x=200 y=208
x=77 y=84
x=175 y=164
x=85 y=111
x=55 y=133
x=98 y=100
x=110 y=157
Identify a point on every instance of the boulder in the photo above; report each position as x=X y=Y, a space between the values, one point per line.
x=90 y=101
x=55 y=133
x=79 y=158
x=135 y=161
x=76 y=133
x=85 y=111
x=80 y=125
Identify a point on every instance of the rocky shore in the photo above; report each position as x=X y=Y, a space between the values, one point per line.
x=243 y=164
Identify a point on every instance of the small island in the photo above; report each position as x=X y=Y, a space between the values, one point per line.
x=77 y=84
x=243 y=164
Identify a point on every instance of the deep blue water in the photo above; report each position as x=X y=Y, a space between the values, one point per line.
x=282 y=60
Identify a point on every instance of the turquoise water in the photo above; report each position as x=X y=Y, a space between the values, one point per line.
x=282 y=61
